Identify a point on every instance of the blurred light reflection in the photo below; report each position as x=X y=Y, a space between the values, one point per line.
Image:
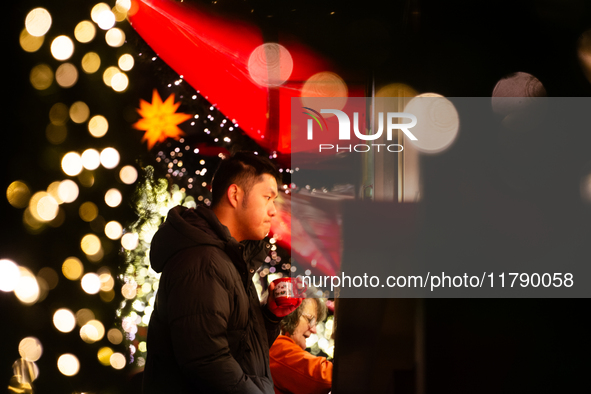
x=38 y=22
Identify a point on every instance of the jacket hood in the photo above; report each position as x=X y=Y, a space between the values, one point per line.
x=188 y=227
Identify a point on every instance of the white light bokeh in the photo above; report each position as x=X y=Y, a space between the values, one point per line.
x=72 y=164
x=62 y=48
x=113 y=198
x=91 y=159
x=98 y=126
x=128 y=175
x=439 y=125
x=68 y=364
x=118 y=360
x=91 y=283
x=102 y=15
x=115 y=37
x=38 y=22
x=92 y=331
x=68 y=191
x=64 y=320
x=126 y=62
x=109 y=158
x=27 y=289
x=130 y=241
x=113 y=230
x=30 y=349
x=9 y=275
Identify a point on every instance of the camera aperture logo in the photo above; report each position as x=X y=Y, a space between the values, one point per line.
x=390 y=120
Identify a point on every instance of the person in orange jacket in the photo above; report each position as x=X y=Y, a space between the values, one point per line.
x=294 y=370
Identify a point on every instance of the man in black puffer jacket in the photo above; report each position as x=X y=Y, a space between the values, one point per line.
x=208 y=332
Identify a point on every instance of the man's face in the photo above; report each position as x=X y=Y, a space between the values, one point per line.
x=257 y=209
x=307 y=324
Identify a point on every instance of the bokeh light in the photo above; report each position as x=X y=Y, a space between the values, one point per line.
x=83 y=316
x=18 y=194
x=50 y=277
x=113 y=230
x=129 y=290
x=113 y=198
x=72 y=164
x=439 y=125
x=584 y=53
x=64 y=320
x=519 y=99
x=107 y=281
x=30 y=43
x=396 y=90
x=325 y=84
x=109 y=73
x=519 y=84
x=72 y=268
x=270 y=64
x=126 y=62
x=86 y=178
x=119 y=82
x=84 y=32
x=102 y=15
x=115 y=336
x=128 y=175
x=88 y=211
x=68 y=364
x=98 y=126
x=59 y=114
x=93 y=331
x=123 y=5
x=109 y=158
x=68 y=191
x=91 y=283
x=104 y=355
x=62 y=48
x=118 y=360
x=115 y=37
x=41 y=77
x=130 y=241
x=79 y=112
x=43 y=207
x=90 y=244
x=27 y=289
x=9 y=275
x=66 y=75
x=38 y=22
x=91 y=159
x=32 y=225
x=52 y=189
x=30 y=349
x=91 y=62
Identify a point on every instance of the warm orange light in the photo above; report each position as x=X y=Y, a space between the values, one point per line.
x=160 y=120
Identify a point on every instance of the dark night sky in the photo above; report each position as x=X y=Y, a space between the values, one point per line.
x=455 y=48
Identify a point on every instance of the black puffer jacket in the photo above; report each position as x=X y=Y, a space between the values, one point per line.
x=208 y=332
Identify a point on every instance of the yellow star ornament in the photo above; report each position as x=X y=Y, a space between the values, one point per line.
x=160 y=120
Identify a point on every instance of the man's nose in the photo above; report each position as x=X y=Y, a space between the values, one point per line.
x=313 y=330
x=273 y=210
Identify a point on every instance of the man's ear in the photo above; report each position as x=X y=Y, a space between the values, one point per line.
x=234 y=194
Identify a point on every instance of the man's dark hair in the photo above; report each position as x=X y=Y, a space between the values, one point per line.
x=244 y=169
